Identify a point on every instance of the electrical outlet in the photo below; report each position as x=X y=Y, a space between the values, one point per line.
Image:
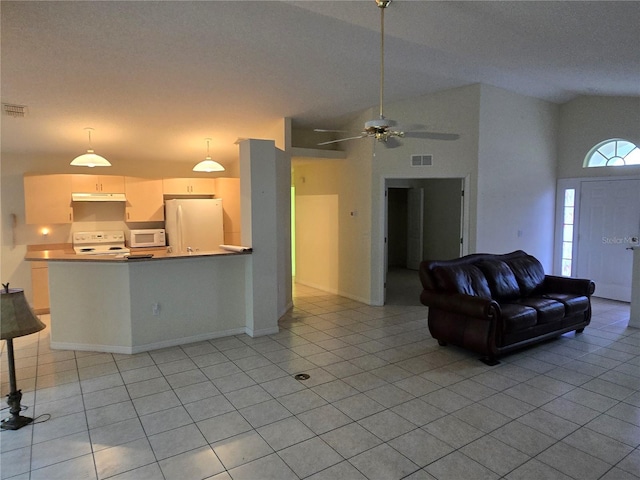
x=155 y=309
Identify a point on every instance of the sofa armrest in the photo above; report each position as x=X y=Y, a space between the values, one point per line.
x=467 y=305
x=576 y=286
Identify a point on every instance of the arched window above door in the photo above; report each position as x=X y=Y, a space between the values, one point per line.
x=615 y=152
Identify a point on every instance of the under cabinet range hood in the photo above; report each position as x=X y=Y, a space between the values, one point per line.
x=98 y=197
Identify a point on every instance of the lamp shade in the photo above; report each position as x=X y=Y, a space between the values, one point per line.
x=208 y=165
x=90 y=159
x=18 y=319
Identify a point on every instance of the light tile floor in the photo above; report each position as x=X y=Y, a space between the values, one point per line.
x=384 y=401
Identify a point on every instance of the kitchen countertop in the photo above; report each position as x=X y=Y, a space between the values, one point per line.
x=68 y=255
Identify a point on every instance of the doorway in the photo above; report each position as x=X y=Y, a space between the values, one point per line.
x=609 y=223
x=424 y=221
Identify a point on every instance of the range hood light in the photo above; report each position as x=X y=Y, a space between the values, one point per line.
x=98 y=197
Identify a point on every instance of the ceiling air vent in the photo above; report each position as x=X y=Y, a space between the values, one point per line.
x=13 y=110
x=421 y=160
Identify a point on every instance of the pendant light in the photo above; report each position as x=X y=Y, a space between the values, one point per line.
x=90 y=159
x=208 y=165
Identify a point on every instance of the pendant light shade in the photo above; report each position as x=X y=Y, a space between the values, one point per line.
x=90 y=159
x=208 y=165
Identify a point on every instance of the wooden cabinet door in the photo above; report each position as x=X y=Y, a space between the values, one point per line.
x=97 y=183
x=112 y=183
x=47 y=199
x=40 y=286
x=203 y=186
x=189 y=186
x=144 y=200
x=176 y=186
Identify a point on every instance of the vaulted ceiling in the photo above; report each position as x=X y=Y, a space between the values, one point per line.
x=155 y=78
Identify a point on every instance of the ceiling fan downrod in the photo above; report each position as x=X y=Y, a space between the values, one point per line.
x=382 y=4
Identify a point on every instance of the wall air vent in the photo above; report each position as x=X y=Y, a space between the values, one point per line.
x=421 y=160
x=13 y=110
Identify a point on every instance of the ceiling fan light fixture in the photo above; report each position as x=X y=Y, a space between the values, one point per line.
x=208 y=165
x=90 y=159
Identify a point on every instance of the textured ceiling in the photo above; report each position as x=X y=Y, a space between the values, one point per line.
x=155 y=78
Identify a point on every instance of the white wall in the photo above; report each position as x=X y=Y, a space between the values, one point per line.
x=516 y=174
x=450 y=111
x=317 y=255
x=330 y=224
x=587 y=121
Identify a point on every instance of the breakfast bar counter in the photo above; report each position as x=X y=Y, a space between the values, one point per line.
x=68 y=255
x=119 y=305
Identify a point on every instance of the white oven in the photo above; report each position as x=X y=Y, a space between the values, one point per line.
x=154 y=237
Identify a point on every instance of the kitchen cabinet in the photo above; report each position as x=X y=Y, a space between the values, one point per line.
x=189 y=186
x=40 y=287
x=97 y=183
x=47 y=199
x=144 y=200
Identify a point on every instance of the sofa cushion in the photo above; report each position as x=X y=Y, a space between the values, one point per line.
x=502 y=282
x=517 y=317
x=466 y=279
x=529 y=273
x=572 y=303
x=547 y=309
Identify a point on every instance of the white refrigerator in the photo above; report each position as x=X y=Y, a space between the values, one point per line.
x=194 y=224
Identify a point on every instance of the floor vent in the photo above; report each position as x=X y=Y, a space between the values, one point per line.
x=13 y=110
x=421 y=160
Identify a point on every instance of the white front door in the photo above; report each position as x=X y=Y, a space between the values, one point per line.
x=415 y=222
x=609 y=224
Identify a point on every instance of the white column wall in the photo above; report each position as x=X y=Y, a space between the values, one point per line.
x=264 y=190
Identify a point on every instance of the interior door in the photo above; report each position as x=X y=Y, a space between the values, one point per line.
x=609 y=223
x=415 y=227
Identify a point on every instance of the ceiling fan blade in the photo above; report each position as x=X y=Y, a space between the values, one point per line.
x=433 y=135
x=410 y=127
x=329 y=131
x=342 y=140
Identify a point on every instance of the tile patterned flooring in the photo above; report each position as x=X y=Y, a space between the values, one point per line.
x=384 y=401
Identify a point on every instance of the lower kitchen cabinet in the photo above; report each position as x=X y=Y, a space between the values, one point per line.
x=40 y=287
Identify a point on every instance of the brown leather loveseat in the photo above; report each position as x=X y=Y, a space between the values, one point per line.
x=492 y=304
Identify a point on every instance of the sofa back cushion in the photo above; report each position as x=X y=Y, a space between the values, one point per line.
x=467 y=279
x=502 y=282
x=529 y=273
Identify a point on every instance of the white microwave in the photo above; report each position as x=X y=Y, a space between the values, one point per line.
x=154 y=237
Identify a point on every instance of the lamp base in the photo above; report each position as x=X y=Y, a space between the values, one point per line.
x=16 y=422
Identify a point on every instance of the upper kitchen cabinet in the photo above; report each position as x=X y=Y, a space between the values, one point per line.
x=189 y=186
x=144 y=200
x=47 y=199
x=97 y=183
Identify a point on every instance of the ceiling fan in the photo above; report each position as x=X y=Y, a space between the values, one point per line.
x=383 y=129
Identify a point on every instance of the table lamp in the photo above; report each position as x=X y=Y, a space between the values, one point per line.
x=17 y=319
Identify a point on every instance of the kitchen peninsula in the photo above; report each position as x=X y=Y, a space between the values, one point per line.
x=120 y=305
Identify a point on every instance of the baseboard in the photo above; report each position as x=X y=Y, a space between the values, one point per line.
x=129 y=350
x=262 y=332
x=356 y=298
